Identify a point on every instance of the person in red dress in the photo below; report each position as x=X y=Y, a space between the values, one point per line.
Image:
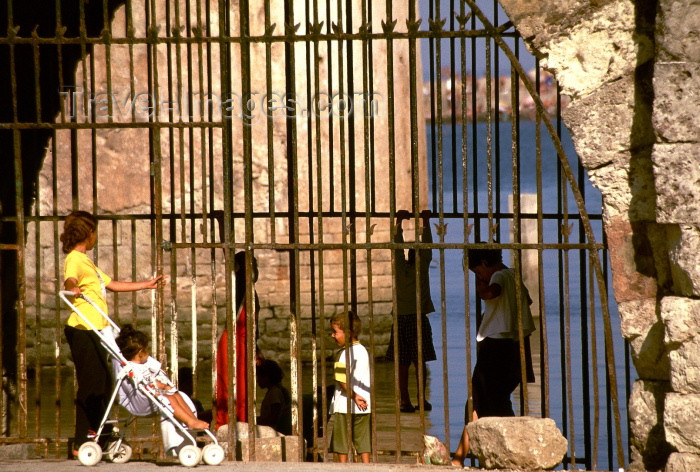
x=222 y=380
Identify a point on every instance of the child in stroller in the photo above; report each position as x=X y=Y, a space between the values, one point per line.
x=133 y=345
x=145 y=390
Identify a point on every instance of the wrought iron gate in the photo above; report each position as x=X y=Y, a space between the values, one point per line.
x=295 y=132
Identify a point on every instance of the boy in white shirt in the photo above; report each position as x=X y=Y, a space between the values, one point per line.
x=358 y=389
x=497 y=372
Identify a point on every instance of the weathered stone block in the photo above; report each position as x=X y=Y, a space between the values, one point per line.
x=677 y=176
x=607 y=122
x=632 y=260
x=681 y=317
x=684 y=241
x=18 y=452
x=676 y=102
x=646 y=412
x=270 y=446
x=627 y=187
x=601 y=47
x=642 y=327
x=537 y=22
x=683 y=462
x=521 y=442
x=682 y=422
x=678 y=30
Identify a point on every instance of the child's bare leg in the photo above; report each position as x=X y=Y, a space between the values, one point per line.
x=365 y=457
x=463 y=448
x=183 y=413
x=342 y=458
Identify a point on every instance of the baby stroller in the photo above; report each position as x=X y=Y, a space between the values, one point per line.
x=138 y=394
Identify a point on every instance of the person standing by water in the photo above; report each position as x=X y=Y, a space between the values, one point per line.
x=406 y=293
x=83 y=277
x=497 y=371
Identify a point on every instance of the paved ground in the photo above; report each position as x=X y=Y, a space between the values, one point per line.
x=74 y=466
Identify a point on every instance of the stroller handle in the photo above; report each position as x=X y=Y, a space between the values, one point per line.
x=64 y=294
x=107 y=341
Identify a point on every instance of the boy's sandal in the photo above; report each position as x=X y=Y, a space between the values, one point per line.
x=407 y=408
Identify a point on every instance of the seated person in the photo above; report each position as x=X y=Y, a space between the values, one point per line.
x=276 y=408
x=133 y=345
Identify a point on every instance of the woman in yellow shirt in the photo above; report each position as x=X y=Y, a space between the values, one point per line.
x=82 y=276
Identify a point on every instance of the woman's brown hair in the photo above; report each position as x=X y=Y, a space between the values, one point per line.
x=77 y=228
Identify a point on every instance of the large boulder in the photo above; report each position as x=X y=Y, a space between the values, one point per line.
x=521 y=442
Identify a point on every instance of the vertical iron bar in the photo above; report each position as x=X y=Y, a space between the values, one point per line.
x=331 y=141
x=593 y=458
x=517 y=237
x=434 y=81
x=106 y=34
x=466 y=228
x=115 y=267
x=351 y=153
x=489 y=144
x=271 y=95
x=319 y=209
x=584 y=331
x=343 y=200
x=249 y=297
x=544 y=345
x=157 y=192
x=37 y=315
x=310 y=175
x=437 y=27
x=293 y=202
x=19 y=235
x=415 y=200
x=57 y=287
x=453 y=113
x=391 y=134
x=130 y=35
x=21 y=285
x=225 y=78
x=367 y=121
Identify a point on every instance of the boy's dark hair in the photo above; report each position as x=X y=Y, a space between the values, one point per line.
x=341 y=320
x=77 y=228
x=271 y=370
x=490 y=256
x=131 y=341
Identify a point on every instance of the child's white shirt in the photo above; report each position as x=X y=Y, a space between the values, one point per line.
x=359 y=379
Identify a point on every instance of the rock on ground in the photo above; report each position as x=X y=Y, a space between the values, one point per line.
x=522 y=443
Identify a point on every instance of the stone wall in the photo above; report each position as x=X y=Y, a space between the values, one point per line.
x=632 y=70
x=115 y=171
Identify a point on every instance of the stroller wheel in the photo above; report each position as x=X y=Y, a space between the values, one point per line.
x=122 y=454
x=190 y=456
x=90 y=453
x=213 y=454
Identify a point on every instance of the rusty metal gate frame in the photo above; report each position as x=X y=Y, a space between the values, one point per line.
x=163 y=247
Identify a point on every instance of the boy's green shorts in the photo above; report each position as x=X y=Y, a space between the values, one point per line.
x=361 y=433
